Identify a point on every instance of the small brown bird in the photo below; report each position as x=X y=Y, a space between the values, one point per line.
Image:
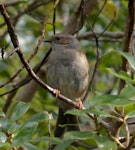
x=67 y=70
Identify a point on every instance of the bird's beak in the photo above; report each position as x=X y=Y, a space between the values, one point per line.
x=48 y=41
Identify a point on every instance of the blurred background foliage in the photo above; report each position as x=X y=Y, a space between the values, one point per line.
x=28 y=24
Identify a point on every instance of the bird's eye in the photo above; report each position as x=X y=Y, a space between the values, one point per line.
x=57 y=38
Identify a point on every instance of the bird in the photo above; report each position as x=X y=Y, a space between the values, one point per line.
x=67 y=70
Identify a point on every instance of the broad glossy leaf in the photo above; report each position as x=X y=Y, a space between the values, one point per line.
x=84 y=112
x=19 y=110
x=121 y=75
x=130 y=58
x=111 y=58
x=129 y=111
x=128 y=91
x=63 y=145
x=13 y=127
x=53 y=140
x=104 y=144
x=3 y=137
x=130 y=115
x=78 y=135
x=5 y=124
x=77 y=112
x=41 y=116
x=4 y=146
x=116 y=100
x=29 y=146
x=25 y=133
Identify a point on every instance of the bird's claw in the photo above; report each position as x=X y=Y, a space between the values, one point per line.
x=56 y=92
x=80 y=104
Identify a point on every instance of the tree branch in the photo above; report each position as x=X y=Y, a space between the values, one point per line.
x=15 y=42
x=107 y=34
x=127 y=41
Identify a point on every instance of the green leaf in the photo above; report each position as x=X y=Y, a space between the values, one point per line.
x=81 y=113
x=3 y=141
x=105 y=144
x=127 y=89
x=25 y=133
x=29 y=146
x=63 y=145
x=102 y=142
x=53 y=140
x=8 y=125
x=116 y=100
x=78 y=135
x=121 y=75
x=4 y=146
x=3 y=137
x=130 y=58
x=100 y=113
x=130 y=114
x=130 y=89
x=13 y=127
x=41 y=116
x=5 y=124
x=19 y=110
x=129 y=111
x=90 y=111
x=109 y=59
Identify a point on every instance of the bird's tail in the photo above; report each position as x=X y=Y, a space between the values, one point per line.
x=70 y=123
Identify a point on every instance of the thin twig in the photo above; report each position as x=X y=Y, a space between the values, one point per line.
x=98 y=53
x=116 y=140
x=30 y=7
x=107 y=34
x=111 y=22
x=96 y=64
x=28 y=78
x=99 y=13
x=8 y=54
x=132 y=141
x=13 y=2
x=29 y=59
x=54 y=16
x=127 y=133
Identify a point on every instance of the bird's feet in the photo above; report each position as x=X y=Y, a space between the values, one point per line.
x=56 y=92
x=80 y=104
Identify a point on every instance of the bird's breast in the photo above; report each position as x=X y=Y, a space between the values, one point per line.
x=68 y=72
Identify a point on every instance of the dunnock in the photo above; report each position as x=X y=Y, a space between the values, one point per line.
x=67 y=70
